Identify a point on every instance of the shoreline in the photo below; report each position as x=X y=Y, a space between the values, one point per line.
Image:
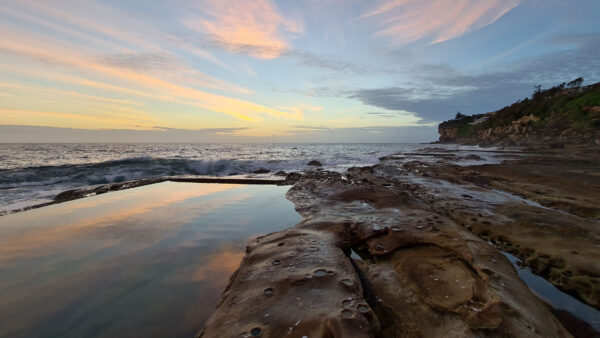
x=425 y=233
x=246 y=178
x=366 y=231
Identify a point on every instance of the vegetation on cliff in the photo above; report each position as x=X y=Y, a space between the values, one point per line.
x=568 y=112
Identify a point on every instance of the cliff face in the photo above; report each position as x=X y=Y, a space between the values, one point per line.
x=552 y=119
x=447 y=133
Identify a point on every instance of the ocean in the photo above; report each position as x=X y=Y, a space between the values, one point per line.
x=32 y=174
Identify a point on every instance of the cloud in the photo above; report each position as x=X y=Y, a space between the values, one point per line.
x=374 y=134
x=59 y=53
x=383 y=115
x=405 y=21
x=312 y=127
x=40 y=92
x=21 y=133
x=9 y=116
x=204 y=130
x=439 y=91
x=309 y=59
x=141 y=61
x=248 y=27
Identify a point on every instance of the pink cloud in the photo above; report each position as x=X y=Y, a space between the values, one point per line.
x=250 y=27
x=405 y=21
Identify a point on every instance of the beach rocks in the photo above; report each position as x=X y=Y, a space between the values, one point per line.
x=541 y=209
x=314 y=163
x=420 y=273
x=97 y=190
x=292 y=178
x=313 y=291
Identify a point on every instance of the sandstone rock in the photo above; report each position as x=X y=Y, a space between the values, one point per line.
x=420 y=274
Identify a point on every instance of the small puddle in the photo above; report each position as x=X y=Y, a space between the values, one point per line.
x=355 y=256
x=553 y=296
x=528 y=201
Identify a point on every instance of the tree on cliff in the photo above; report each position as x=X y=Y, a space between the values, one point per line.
x=459 y=116
x=575 y=85
x=537 y=91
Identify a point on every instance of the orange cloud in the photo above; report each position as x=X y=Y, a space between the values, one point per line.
x=16 y=117
x=53 y=92
x=63 y=54
x=250 y=27
x=405 y=21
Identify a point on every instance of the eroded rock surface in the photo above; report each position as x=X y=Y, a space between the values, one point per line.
x=543 y=209
x=397 y=250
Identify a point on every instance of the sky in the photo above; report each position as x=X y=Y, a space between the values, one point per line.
x=278 y=71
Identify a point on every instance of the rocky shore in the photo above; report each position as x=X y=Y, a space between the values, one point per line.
x=414 y=247
x=418 y=246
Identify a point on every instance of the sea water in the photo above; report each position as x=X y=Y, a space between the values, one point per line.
x=32 y=174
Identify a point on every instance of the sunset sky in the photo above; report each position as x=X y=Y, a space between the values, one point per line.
x=279 y=71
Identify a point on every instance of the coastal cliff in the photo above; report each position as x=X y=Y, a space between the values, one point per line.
x=567 y=114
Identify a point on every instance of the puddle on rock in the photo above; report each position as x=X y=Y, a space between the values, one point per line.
x=553 y=296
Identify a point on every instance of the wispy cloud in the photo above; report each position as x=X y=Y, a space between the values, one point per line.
x=20 y=133
x=218 y=131
x=312 y=127
x=405 y=21
x=170 y=85
x=141 y=61
x=38 y=133
x=249 y=27
x=442 y=91
x=13 y=116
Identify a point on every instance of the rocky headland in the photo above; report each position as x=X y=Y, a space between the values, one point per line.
x=566 y=114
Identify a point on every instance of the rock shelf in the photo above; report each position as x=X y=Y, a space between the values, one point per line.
x=428 y=239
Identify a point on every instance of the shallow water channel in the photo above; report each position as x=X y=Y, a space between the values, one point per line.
x=553 y=296
x=149 y=261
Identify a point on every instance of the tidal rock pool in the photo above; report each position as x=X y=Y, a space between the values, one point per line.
x=149 y=261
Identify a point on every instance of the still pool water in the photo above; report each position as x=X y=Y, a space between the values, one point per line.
x=553 y=296
x=145 y=262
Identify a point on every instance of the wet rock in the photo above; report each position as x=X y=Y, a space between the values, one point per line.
x=97 y=190
x=261 y=171
x=426 y=268
x=314 y=163
x=292 y=178
x=313 y=308
x=473 y=157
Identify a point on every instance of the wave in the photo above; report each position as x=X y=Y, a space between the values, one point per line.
x=31 y=175
x=132 y=169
